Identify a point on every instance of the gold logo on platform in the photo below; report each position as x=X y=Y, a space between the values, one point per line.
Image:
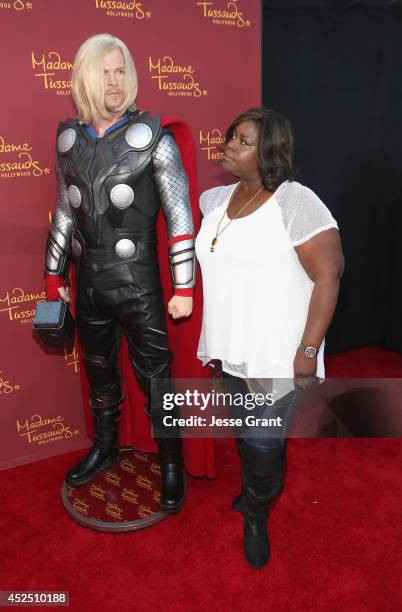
x=175 y=79
x=230 y=15
x=141 y=457
x=144 y=482
x=70 y=491
x=210 y=142
x=16 y=159
x=18 y=304
x=80 y=505
x=97 y=491
x=130 y=496
x=127 y=466
x=144 y=511
x=156 y=496
x=155 y=469
x=47 y=66
x=6 y=387
x=17 y=5
x=118 y=8
x=72 y=359
x=41 y=430
x=113 y=478
x=114 y=510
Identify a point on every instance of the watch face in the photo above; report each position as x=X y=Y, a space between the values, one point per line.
x=310 y=351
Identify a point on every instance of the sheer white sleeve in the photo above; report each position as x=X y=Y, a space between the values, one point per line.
x=304 y=214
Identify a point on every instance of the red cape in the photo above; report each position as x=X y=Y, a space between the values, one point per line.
x=183 y=337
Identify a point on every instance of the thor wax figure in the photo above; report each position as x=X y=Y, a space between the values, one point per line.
x=115 y=168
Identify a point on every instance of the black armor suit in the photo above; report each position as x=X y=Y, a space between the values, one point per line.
x=110 y=192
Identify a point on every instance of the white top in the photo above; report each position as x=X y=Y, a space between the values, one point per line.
x=256 y=292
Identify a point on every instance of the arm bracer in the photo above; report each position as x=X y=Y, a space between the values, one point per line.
x=58 y=246
x=172 y=183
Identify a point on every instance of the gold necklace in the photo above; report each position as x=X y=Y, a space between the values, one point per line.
x=218 y=231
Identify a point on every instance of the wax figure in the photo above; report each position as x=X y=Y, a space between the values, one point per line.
x=271 y=262
x=116 y=167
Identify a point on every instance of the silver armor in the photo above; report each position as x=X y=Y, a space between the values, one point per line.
x=66 y=140
x=172 y=183
x=125 y=248
x=96 y=202
x=182 y=263
x=74 y=196
x=139 y=135
x=61 y=229
x=122 y=196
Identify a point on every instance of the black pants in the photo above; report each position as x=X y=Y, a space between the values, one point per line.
x=282 y=408
x=102 y=317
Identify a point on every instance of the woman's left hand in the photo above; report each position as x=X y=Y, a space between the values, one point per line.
x=305 y=370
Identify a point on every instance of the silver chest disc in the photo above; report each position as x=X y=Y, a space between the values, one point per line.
x=125 y=248
x=122 y=196
x=76 y=247
x=74 y=196
x=139 y=135
x=66 y=140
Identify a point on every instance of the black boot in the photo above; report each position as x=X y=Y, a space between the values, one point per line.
x=263 y=475
x=105 y=451
x=171 y=462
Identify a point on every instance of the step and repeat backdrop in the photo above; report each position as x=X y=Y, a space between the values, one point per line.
x=199 y=60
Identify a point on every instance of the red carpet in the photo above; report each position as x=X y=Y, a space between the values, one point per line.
x=335 y=532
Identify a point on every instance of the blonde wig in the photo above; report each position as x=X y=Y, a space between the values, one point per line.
x=87 y=82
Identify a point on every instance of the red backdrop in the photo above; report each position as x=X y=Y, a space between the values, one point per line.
x=196 y=59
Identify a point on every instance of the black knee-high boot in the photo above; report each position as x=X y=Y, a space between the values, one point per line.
x=263 y=476
x=105 y=451
x=169 y=448
x=171 y=463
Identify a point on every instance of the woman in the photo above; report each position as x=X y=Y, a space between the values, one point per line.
x=271 y=261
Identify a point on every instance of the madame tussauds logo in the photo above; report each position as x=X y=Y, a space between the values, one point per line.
x=16 y=159
x=72 y=359
x=7 y=387
x=175 y=79
x=20 y=306
x=54 y=72
x=17 y=5
x=39 y=430
x=120 y=8
x=212 y=142
x=224 y=13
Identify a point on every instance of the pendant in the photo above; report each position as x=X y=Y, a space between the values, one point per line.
x=213 y=244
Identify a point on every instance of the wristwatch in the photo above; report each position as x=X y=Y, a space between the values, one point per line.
x=309 y=351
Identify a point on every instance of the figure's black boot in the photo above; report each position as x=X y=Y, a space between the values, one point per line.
x=171 y=462
x=105 y=451
x=263 y=475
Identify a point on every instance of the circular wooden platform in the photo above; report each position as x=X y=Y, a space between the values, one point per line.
x=125 y=497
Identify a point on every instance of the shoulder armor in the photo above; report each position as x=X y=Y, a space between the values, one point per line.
x=143 y=131
x=66 y=135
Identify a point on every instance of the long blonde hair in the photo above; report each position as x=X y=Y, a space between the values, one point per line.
x=87 y=82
